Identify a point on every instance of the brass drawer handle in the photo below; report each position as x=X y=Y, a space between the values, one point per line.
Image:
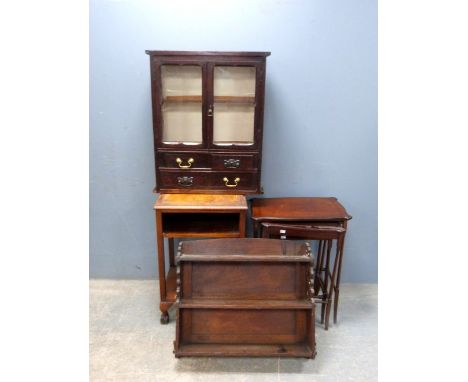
x=179 y=162
x=185 y=181
x=232 y=163
x=226 y=181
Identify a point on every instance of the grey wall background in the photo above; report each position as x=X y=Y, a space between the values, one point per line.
x=320 y=133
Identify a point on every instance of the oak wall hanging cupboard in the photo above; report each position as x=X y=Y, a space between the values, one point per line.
x=208 y=120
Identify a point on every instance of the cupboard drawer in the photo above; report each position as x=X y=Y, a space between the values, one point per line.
x=233 y=181
x=184 y=160
x=184 y=179
x=234 y=162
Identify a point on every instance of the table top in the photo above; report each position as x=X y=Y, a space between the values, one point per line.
x=200 y=202
x=297 y=209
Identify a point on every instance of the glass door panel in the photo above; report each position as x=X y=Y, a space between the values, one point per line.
x=234 y=105
x=181 y=104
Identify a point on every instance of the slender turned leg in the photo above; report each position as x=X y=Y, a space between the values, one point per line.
x=337 y=289
x=332 y=283
x=171 y=252
x=242 y=218
x=319 y=276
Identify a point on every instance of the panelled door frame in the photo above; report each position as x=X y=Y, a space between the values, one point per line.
x=259 y=100
x=156 y=91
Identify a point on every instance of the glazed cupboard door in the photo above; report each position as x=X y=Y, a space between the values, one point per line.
x=180 y=100
x=235 y=102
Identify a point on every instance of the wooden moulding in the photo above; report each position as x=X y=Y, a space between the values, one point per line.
x=245 y=297
x=204 y=53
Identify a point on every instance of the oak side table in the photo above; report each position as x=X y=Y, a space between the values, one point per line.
x=193 y=216
x=303 y=211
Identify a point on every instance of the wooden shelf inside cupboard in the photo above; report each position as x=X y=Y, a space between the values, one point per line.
x=217 y=99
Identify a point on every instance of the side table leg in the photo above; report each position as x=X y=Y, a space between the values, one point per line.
x=337 y=289
x=242 y=219
x=162 y=269
x=164 y=318
x=332 y=283
x=171 y=251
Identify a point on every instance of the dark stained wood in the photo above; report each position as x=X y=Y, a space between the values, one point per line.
x=193 y=216
x=194 y=160
x=245 y=297
x=168 y=183
x=201 y=53
x=234 y=162
x=187 y=180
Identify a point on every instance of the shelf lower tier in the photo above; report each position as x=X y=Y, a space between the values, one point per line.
x=301 y=350
x=245 y=304
x=201 y=225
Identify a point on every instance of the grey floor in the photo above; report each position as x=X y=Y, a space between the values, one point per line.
x=127 y=342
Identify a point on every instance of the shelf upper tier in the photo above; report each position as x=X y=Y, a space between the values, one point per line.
x=217 y=99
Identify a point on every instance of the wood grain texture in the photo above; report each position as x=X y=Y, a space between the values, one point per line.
x=184 y=202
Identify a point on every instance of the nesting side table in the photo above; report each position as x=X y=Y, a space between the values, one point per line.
x=308 y=210
x=303 y=211
x=193 y=216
